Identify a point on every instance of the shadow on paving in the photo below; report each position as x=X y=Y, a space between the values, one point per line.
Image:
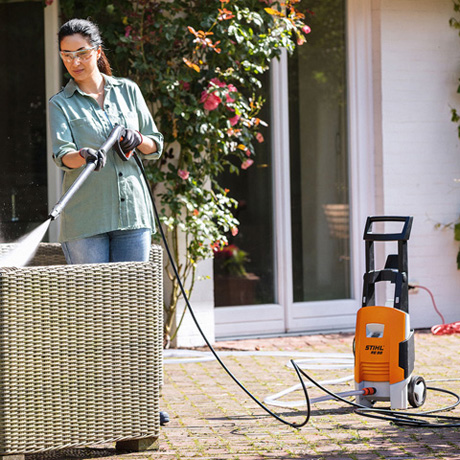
x=74 y=454
x=291 y=417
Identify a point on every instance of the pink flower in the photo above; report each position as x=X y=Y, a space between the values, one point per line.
x=306 y=29
x=217 y=82
x=247 y=163
x=259 y=137
x=234 y=120
x=248 y=153
x=210 y=100
x=128 y=30
x=183 y=174
x=300 y=39
x=231 y=89
x=234 y=231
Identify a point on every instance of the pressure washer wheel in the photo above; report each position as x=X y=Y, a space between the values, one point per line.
x=416 y=391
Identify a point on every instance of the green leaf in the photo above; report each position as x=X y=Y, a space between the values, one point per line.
x=457 y=232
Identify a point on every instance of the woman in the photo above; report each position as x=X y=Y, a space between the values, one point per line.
x=110 y=218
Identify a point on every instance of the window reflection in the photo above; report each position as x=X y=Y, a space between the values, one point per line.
x=23 y=188
x=319 y=157
x=244 y=271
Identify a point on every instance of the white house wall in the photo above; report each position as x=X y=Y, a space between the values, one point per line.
x=417 y=55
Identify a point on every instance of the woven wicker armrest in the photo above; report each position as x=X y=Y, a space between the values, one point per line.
x=51 y=253
x=80 y=353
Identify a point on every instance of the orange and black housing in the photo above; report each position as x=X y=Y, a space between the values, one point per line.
x=384 y=342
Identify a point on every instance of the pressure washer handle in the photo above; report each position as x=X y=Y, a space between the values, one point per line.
x=124 y=156
x=369 y=235
x=113 y=137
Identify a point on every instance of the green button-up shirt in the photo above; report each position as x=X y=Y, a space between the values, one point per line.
x=116 y=197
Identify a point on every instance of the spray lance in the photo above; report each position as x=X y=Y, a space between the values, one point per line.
x=113 y=140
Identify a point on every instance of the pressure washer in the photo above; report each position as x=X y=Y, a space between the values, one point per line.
x=384 y=341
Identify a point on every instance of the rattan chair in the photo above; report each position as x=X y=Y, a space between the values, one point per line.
x=80 y=352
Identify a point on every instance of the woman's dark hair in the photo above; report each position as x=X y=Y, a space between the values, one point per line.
x=90 y=31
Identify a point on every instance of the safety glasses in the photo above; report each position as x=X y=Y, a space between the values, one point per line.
x=83 y=55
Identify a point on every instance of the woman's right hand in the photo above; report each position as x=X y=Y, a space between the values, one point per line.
x=93 y=156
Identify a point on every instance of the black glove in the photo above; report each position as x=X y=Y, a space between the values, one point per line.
x=129 y=140
x=93 y=156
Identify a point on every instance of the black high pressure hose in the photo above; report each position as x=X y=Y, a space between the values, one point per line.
x=113 y=140
x=409 y=419
x=192 y=313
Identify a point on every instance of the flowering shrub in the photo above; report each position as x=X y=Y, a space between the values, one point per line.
x=198 y=65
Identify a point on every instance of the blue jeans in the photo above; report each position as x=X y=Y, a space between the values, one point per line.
x=116 y=246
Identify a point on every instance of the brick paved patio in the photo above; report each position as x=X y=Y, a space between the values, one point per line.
x=211 y=418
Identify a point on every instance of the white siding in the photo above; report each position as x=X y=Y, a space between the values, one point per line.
x=417 y=55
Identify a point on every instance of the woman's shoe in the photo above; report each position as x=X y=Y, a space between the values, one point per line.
x=164 y=418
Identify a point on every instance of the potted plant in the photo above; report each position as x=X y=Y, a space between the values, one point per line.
x=235 y=286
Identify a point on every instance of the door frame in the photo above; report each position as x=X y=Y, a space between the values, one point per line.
x=53 y=78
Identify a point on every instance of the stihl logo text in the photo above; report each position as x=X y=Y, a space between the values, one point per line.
x=374 y=349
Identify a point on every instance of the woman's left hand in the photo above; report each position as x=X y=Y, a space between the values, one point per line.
x=130 y=140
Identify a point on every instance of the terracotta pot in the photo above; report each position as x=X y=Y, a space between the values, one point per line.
x=235 y=290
